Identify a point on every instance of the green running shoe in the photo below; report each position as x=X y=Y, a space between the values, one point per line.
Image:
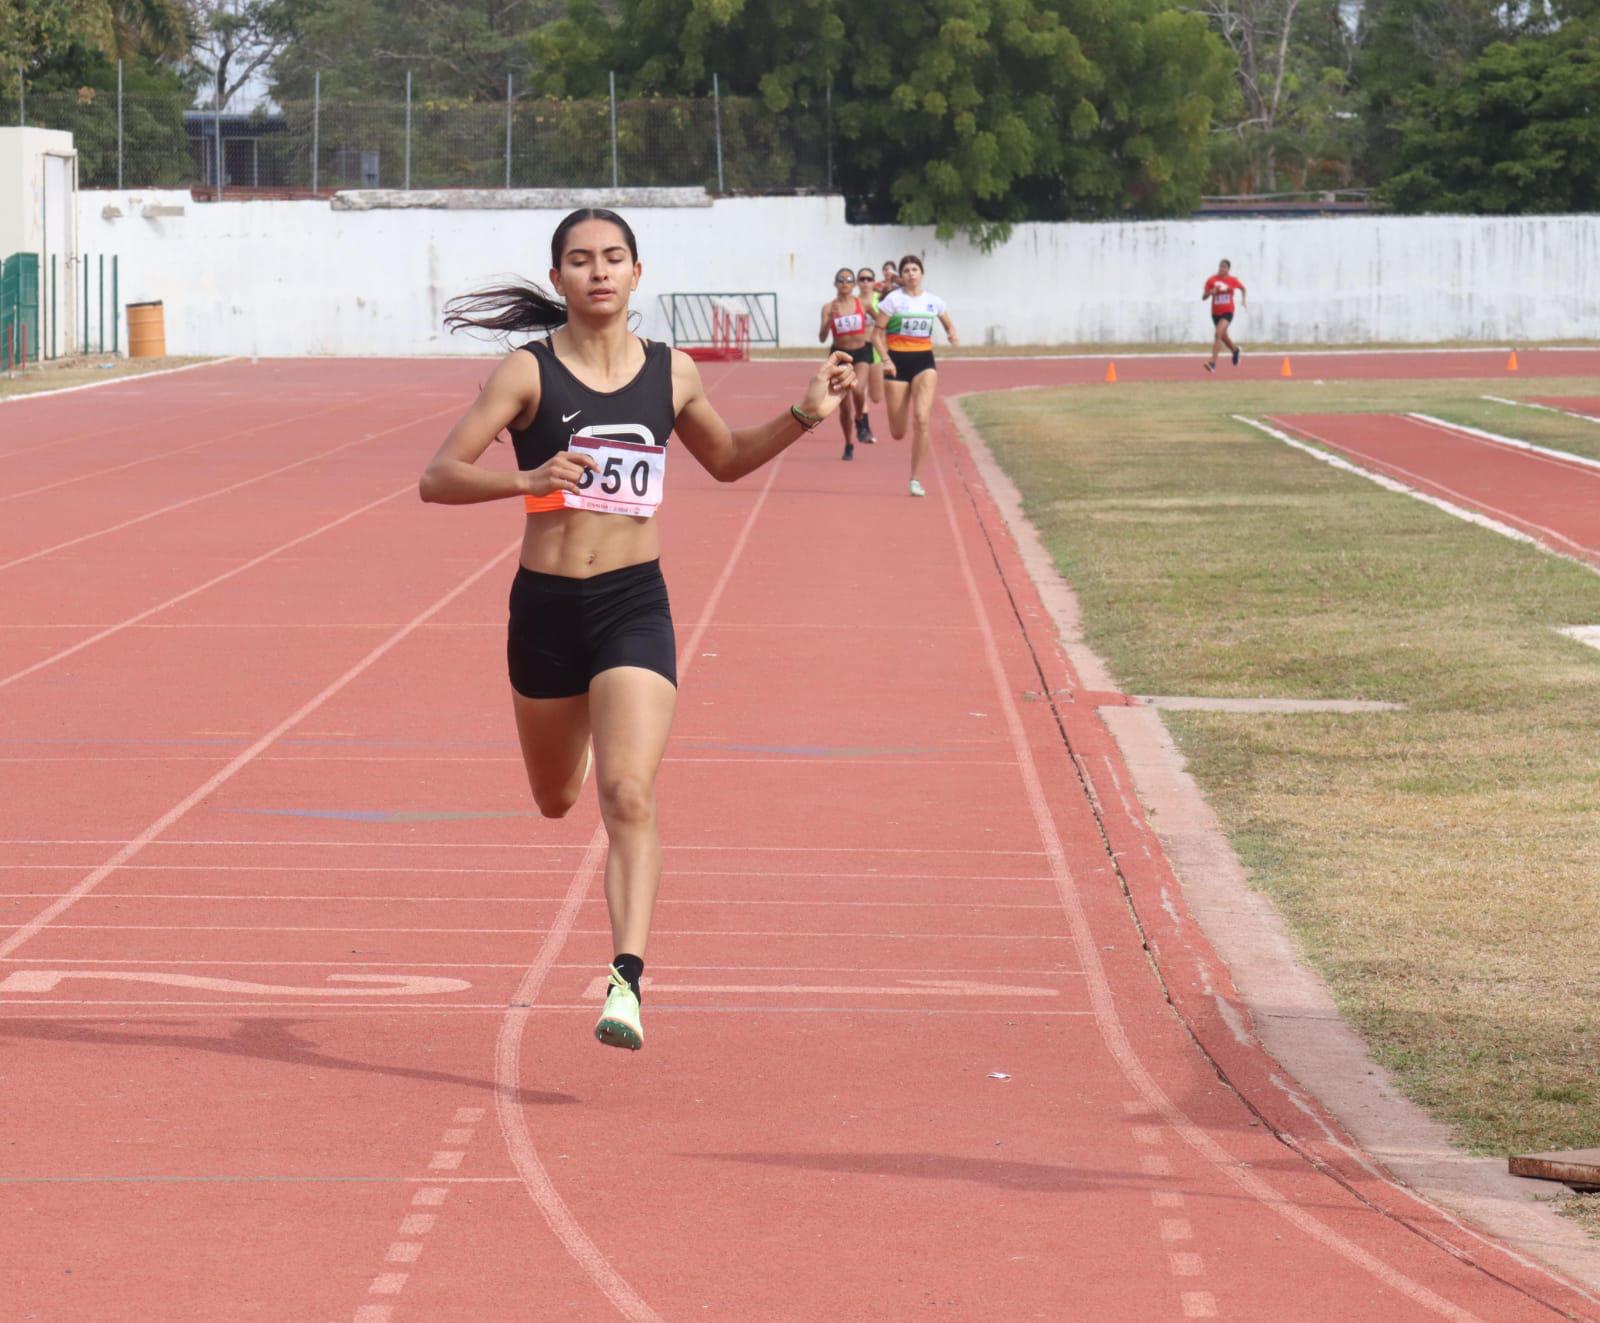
x=618 y=1025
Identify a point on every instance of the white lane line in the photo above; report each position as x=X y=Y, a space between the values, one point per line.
x=1466 y=503
x=417 y=1224
x=1390 y=484
x=446 y=1160
x=524 y=845
x=255 y=1009
x=864 y=933
x=217 y=491
x=403 y=1251
x=133 y=620
x=508 y=1049
x=1198 y=1304
x=1155 y=1164
x=433 y=1196
x=1108 y=1018
x=211 y=440
x=1184 y=1264
x=240 y=762
x=116 y=381
x=1560 y=458
x=383 y=870
x=1176 y=1228
x=389 y=1283
x=987 y=971
x=1547 y=408
x=679 y=902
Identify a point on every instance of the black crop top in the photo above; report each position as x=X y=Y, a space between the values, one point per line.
x=567 y=407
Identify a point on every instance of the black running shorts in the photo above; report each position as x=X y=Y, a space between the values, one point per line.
x=564 y=632
x=910 y=363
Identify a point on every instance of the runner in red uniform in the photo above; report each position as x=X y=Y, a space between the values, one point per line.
x=1219 y=290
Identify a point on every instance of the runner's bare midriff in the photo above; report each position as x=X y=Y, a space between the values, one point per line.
x=578 y=544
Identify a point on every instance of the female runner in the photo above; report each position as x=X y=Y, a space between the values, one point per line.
x=844 y=317
x=905 y=320
x=867 y=287
x=590 y=648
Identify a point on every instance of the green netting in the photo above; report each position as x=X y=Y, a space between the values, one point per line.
x=19 y=309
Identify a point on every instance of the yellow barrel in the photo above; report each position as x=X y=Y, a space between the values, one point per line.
x=147 y=330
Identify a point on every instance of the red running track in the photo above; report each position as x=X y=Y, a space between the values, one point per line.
x=298 y=992
x=1551 y=497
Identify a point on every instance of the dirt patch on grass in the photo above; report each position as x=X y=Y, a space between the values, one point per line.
x=58 y=373
x=1436 y=864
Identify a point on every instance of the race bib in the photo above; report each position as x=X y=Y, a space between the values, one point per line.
x=630 y=470
x=916 y=326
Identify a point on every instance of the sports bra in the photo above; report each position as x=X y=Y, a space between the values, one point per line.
x=640 y=411
x=850 y=323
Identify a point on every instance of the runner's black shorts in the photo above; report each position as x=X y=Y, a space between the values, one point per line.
x=909 y=363
x=1219 y=317
x=860 y=354
x=564 y=632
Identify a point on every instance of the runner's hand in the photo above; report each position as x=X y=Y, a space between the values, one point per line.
x=832 y=382
x=889 y=369
x=559 y=473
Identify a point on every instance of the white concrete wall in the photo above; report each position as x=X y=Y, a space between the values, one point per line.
x=22 y=223
x=303 y=278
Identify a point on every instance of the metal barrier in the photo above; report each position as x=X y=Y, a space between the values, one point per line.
x=702 y=320
x=302 y=148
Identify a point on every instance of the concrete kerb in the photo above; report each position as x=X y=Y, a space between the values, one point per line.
x=1295 y=1017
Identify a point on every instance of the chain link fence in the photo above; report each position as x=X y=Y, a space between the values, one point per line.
x=723 y=144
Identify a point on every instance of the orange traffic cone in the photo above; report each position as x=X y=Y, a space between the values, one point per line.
x=1286 y=370
x=1511 y=363
x=1111 y=371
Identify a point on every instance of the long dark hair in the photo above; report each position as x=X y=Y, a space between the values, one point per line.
x=521 y=305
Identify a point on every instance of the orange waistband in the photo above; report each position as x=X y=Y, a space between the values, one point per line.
x=543 y=504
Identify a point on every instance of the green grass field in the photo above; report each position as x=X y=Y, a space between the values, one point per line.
x=1441 y=865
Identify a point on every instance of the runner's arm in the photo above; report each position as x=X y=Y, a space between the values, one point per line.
x=1242 y=303
x=453 y=476
x=822 y=333
x=880 y=340
x=949 y=328
x=728 y=454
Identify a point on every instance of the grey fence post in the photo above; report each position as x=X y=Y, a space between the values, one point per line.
x=119 y=123
x=216 y=122
x=316 y=126
x=828 y=127
x=508 y=130
x=408 y=128
x=716 y=110
x=613 y=128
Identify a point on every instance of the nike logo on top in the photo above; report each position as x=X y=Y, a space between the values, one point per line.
x=568 y=417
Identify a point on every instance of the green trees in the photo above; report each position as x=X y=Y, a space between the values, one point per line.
x=1517 y=131
x=963 y=114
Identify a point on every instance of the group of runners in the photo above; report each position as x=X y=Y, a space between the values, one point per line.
x=885 y=325
x=590 y=649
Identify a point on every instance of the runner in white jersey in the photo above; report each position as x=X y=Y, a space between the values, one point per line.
x=905 y=335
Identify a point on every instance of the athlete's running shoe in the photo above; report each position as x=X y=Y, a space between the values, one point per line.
x=916 y=488
x=1236 y=357
x=1211 y=367
x=618 y=1025
x=849 y=451
x=864 y=431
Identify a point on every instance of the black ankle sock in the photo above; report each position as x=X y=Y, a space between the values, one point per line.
x=631 y=968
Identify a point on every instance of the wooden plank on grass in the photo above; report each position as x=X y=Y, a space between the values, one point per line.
x=1577 y=1167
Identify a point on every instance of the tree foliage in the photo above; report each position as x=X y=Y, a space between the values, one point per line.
x=1517 y=131
x=963 y=114
x=364 y=48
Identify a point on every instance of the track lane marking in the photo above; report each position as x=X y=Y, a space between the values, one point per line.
x=219 y=491
x=1108 y=1018
x=241 y=761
